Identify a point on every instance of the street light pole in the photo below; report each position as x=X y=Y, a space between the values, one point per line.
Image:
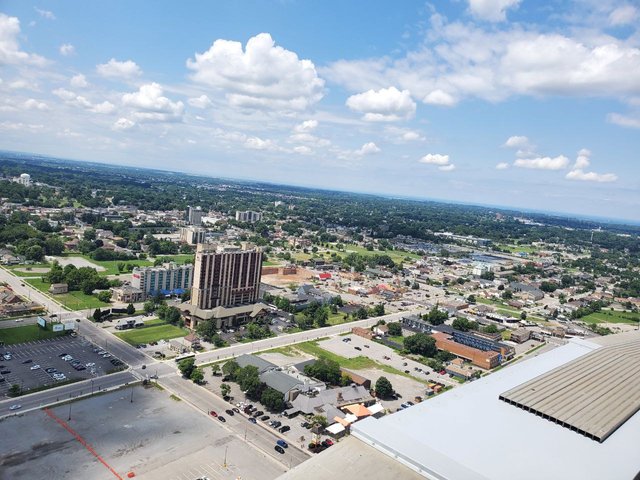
x=225 y=456
x=92 y=386
x=69 y=417
x=131 y=393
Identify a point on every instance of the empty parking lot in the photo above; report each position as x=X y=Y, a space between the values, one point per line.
x=46 y=355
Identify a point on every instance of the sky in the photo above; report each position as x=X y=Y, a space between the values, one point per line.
x=518 y=103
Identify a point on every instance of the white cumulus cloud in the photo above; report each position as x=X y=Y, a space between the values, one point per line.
x=71 y=98
x=543 y=163
x=33 y=104
x=491 y=10
x=435 y=159
x=583 y=159
x=368 y=149
x=502 y=166
x=200 y=102
x=384 y=105
x=306 y=126
x=624 y=120
x=447 y=168
x=116 y=69
x=45 y=13
x=67 y=49
x=623 y=15
x=10 y=52
x=517 y=141
x=591 y=176
x=262 y=76
x=440 y=97
x=79 y=81
x=256 y=143
x=123 y=124
x=150 y=104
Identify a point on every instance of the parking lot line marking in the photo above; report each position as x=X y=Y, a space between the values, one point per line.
x=77 y=436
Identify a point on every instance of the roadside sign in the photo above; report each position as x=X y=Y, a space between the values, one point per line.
x=42 y=322
x=69 y=325
x=58 y=327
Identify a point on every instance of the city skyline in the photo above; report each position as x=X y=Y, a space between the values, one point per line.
x=520 y=104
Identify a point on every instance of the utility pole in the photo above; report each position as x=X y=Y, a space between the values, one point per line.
x=131 y=393
x=225 y=456
x=69 y=417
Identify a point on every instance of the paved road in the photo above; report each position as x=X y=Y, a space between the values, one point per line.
x=255 y=435
x=60 y=394
x=283 y=340
x=21 y=322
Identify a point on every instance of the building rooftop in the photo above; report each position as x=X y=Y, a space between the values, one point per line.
x=593 y=395
x=468 y=433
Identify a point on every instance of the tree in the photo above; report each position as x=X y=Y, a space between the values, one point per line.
x=34 y=253
x=384 y=389
x=131 y=309
x=272 y=399
x=464 y=325
x=395 y=329
x=149 y=307
x=104 y=296
x=230 y=368
x=421 y=344
x=523 y=316
x=186 y=367
x=225 y=390
x=215 y=369
x=319 y=420
x=415 y=286
x=97 y=314
x=206 y=329
x=507 y=295
x=217 y=341
x=548 y=287
x=490 y=329
x=488 y=275
x=197 y=376
x=378 y=310
x=471 y=298
x=14 y=390
x=436 y=316
x=325 y=370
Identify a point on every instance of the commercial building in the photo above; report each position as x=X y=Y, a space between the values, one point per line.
x=248 y=216
x=225 y=276
x=481 y=358
x=168 y=279
x=23 y=179
x=192 y=235
x=127 y=294
x=521 y=335
x=479 y=340
x=193 y=216
x=549 y=437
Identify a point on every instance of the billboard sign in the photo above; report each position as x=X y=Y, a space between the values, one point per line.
x=69 y=325
x=58 y=327
x=42 y=322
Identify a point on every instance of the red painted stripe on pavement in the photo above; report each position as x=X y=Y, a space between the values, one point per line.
x=82 y=441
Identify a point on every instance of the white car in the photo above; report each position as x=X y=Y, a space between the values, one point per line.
x=7 y=357
x=90 y=364
x=15 y=407
x=59 y=376
x=35 y=367
x=106 y=355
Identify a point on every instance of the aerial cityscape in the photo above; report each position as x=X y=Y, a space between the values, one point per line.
x=312 y=240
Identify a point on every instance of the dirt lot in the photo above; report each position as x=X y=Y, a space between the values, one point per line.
x=155 y=437
x=77 y=261
x=302 y=276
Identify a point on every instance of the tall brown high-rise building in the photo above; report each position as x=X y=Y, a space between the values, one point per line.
x=225 y=277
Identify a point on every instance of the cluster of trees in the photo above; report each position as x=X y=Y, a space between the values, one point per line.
x=383 y=388
x=327 y=371
x=249 y=382
x=85 y=279
x=464 y=324
x=588 y=309
x=189 y=370
x=256 y=331
x=421 y=344
x=395 y=329
x=361 y=262
x=207 y=330
x=435 y=316
x=164 y=312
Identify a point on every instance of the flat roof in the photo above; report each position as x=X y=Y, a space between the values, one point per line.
x=592 y=395
x=468 y=433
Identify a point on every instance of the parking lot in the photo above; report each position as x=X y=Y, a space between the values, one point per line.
x=155 y=437
x=40 y=363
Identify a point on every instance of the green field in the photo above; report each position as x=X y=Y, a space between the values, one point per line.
x=75 y=300
x=111 y=266
x=518 y=248
x=608 y=316
x=152 y=334
x=15 y=269
x=179 y=258
x=28 y=333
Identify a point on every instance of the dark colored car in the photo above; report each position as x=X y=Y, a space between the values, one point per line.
x=284 y=428
x=252 y=420
x=258 y=413
x=282 y=443
x=230 y=413
x=264 y=418
x=213 y=414
x=236 y=410
x=222 y=419
x=28 y=361
x=279 y=449
x=5 y=372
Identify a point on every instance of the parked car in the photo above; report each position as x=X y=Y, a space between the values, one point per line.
x=5 y=372
x=304 y=424
x=235 y=410
x=357 y=348
x=213 y=414
x=264 y=418
x=35 y=367
x=282 y=443
x=252 y=420
x=222 y=419
x=284 y=428
x=28 y=360
x=230 y=412
x=327 y=443
x=279 y=449
x=257 y=414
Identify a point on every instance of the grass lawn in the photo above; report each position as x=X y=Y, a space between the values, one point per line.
x=111 y=266
x=179 y=258
x=27 y=333
x=399 y=339
x=75 y=300
x=15 y=269
x=396 y=255
x=336 y=319
x=269 y=263
x=152 y=334
x=518 y=248
x=608 y=316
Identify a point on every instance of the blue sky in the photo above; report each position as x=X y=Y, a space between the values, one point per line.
x=518 y=103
